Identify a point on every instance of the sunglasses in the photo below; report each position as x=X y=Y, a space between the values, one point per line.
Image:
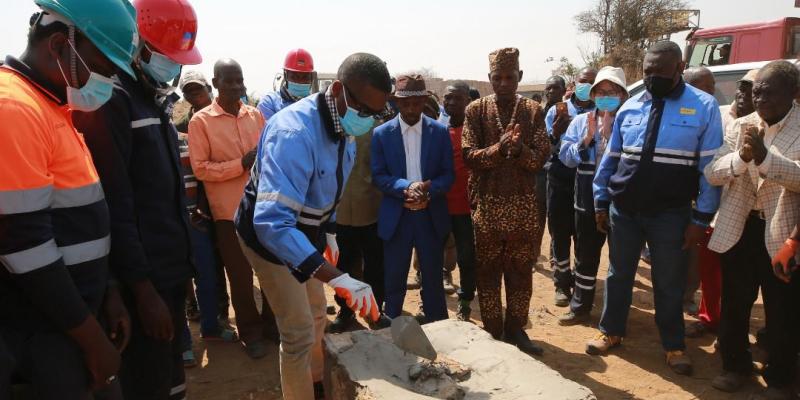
x=364 y=111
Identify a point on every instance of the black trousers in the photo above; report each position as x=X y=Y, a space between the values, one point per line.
x=153 y=369
x=588 y=246
x=561 y=225
x=361 y=256
x=745 y=268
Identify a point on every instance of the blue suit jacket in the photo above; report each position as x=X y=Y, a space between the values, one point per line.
x=388 y=164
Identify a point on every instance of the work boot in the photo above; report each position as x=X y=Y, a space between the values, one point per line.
x=344 y=319
x=562 y=298
x=602 y=343
x=574 y=318
x=679 y=362
x=520 y=339
x=464 y=311
x=772 y=393
x=728 y=381
x=448 y=283
x=382 y=322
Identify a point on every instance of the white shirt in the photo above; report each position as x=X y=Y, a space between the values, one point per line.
x=412 y=142
x=740 y=166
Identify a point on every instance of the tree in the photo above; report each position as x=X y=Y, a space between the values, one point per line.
x=627 y=27
x=566 y=69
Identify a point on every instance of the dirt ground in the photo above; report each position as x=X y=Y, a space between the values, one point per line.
x=635 y=371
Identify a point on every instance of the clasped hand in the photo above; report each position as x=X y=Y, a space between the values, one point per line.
x=511 y=142
x=417 y=195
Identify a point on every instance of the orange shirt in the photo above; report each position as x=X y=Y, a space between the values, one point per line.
x=217 y=142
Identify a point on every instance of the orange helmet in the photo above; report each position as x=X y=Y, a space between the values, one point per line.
x=298 y=60
x=170 y=26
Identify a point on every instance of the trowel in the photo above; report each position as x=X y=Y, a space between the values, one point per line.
x=408 y=335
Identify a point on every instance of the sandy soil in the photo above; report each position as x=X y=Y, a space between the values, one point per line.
x=635 y=371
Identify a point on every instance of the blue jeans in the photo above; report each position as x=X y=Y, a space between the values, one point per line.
x=465 y=254
x=205 y=261
x=664 y=234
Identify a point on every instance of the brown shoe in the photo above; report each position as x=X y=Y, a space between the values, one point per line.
x=602 y=343
x=679 y=362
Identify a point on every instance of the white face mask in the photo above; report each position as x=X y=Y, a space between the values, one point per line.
x=96 y=92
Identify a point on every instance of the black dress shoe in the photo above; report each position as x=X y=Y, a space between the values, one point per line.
x=344 y=319
x=523 y=342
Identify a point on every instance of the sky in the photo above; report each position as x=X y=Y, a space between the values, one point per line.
x=452 y=37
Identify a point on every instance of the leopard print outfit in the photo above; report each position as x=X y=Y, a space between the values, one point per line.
x=502 y=194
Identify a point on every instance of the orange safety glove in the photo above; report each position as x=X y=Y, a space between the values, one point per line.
x=331 y=254
x=357 y=294
x=783 y=264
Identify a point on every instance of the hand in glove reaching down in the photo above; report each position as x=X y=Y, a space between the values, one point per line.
x=357 y=294
x=331 y=250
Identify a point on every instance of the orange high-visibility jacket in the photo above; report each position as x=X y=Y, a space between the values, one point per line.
x=54 y=223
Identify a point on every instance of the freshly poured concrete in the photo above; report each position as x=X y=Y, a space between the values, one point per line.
x=367 y=365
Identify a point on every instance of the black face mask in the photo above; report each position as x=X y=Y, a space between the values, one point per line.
x=658 y=86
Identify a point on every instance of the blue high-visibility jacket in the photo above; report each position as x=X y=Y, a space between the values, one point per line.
x=657 y=152
x=289 y=202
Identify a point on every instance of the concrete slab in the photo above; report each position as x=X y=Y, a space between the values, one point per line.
x=366 y=365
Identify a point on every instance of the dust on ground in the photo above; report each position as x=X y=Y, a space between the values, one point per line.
x=637 y=370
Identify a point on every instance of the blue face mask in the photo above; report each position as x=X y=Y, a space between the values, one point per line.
x=352 y=123
x=355 y=125
x=160 y=68
x=607 y=103
x=583 y=91
x=96 y=92
x=298 y=89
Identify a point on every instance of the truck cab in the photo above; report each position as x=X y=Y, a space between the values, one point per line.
x=744 y=43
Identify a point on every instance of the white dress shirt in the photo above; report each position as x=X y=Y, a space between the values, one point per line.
x=412 y=142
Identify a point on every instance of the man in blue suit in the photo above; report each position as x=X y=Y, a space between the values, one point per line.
x=412 y=164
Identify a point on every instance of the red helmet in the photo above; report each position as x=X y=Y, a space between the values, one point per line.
x=170 y=26
x=298 y=60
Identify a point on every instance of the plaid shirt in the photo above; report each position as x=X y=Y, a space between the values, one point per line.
x=331 y=102
x=778 y=196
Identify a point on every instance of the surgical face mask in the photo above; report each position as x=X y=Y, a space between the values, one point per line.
x=92 y=95
x=607 y=103
x=658 y=86
x=160 y=68
x=298 y=89
x=352 y=123
x=583 y=91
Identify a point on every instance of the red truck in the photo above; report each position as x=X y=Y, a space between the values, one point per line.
x=734 y=44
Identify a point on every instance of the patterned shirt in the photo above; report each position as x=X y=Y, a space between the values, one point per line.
x=502 y=190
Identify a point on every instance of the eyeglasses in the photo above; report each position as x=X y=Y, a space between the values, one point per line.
x=360 y=107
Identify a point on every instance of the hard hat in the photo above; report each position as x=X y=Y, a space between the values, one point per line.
x=298 y=60
x=109 y=24
x=170 y=26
